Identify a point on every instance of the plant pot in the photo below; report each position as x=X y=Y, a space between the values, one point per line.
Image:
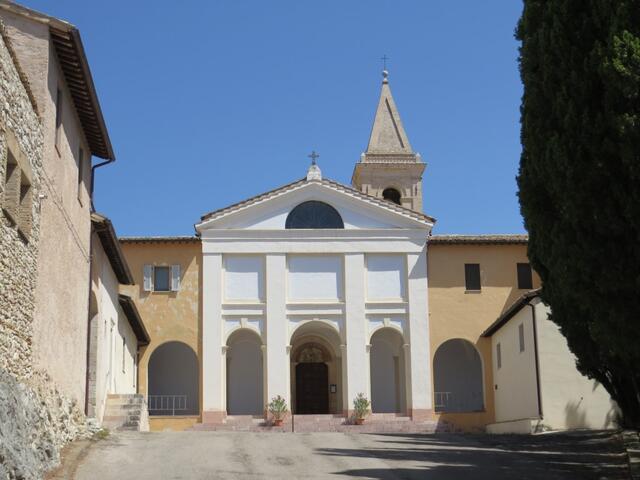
x=359 y=421
x=277 y=422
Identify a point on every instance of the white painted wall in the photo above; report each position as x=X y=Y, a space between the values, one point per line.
x=569 y=399
x=116 y=370
x=243 y=278
x=274 y=214
x=315 y=277
x=386 y=277
x=516 y=394
x=305 y=267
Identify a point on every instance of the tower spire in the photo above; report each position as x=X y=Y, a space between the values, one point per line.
x=389 y=168
x=387 y=134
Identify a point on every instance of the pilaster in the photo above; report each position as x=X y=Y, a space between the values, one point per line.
x=277 y=331
x=418 y=351
x=213 y=405
x=355 y=361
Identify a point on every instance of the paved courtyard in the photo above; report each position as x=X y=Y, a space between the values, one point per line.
x=221 y=455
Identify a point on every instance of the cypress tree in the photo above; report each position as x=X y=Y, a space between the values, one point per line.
x=579 y=180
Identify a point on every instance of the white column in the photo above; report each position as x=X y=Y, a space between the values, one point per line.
x=356 y=358
x=419 y=357
x=277 y=331
x=213 y=409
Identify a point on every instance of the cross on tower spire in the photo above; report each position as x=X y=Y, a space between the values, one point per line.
x=313 y=157
x=384 y=61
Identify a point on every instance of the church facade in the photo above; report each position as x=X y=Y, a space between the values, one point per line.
x=318 y=291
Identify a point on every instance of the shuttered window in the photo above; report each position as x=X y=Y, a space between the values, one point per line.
x=161 y=278
x=525 y=276
x=472 y=276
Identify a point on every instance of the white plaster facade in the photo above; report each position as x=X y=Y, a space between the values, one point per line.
x=333 y=288
x=537 y=385
x=116 y=344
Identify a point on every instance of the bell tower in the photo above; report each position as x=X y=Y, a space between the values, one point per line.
x=389 y=168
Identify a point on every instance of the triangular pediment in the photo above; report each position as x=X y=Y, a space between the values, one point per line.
x=269 y=211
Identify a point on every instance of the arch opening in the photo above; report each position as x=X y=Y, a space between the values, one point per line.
x=314 y=214
x=457 y=377
x=245 y=374
x=316 y=370
x=387 y=368
x=392 y=195
x=173 y=380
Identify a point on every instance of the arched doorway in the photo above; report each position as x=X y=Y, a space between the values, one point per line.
x=457 y=377
x=387 y=367
x=173 y=380
x=245 y=374
x=316 y=370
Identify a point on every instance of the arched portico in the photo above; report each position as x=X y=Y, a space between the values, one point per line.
x=316 y=369
x=387 y=367
x=457 y=377
x=173 y=386
x=245 y=373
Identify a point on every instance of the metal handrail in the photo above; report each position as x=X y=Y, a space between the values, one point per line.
x=167 y=403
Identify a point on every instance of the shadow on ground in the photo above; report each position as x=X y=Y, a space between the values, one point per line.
x=575 y=455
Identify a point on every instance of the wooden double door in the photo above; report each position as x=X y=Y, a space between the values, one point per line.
x=312 y=388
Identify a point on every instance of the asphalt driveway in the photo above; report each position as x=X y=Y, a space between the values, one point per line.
x=221 y=455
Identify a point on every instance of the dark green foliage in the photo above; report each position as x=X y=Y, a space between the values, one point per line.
x=579 y=180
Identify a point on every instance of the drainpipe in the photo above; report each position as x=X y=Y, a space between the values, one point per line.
x=88 y=359
x=535 y=350
x=93 y=174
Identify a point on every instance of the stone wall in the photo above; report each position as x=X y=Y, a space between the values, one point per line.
x=20 y=133
x=36 y=419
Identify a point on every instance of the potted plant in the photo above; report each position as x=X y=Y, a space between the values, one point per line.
x=361 y=406
x=278 y=409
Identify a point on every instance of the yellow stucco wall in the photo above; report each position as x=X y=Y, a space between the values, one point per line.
x=173 y=424
x=168 y=316
x=454 y=313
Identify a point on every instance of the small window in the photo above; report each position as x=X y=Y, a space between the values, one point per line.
x=521 y=337
x=499 y=355
x=525 y=276
x=11 y=200
x=124 y=349
x=161 y=279
x=472 y=276
x=24 y=206
x=58 y=116
x=392 y=195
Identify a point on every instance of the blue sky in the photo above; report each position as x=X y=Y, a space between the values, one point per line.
x=208 y=103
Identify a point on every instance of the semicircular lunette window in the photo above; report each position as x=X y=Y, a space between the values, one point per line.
x=314 y=214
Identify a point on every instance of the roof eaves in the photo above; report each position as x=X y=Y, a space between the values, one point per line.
x=111 y=246
x=331 y=183
x=67 y=42
x=160 y=239
x=480 y=239
x=134 y=318
x=510 y=312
